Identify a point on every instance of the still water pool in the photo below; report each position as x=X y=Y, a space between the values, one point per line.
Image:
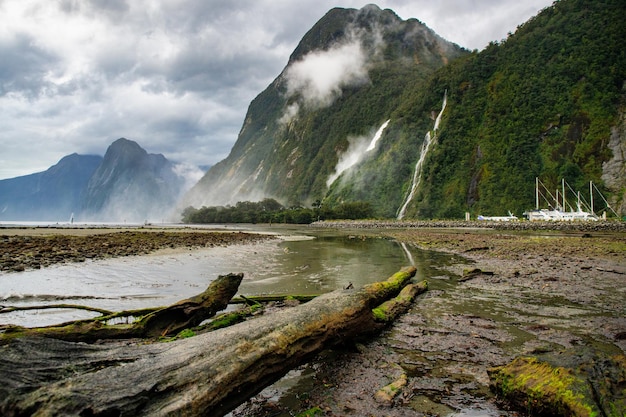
x=299 y=262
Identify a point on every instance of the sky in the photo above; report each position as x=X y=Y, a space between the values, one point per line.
x=176 y=76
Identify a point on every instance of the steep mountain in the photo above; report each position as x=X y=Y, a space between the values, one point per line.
x=546 y=103
x=342 y=82
x=375 y=109
x=52 y=195
x=131 y=185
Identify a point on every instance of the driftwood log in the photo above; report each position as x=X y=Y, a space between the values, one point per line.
x=151 y=323
x=208 y=374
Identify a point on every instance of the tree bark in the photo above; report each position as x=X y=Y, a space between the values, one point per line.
x=208 y=374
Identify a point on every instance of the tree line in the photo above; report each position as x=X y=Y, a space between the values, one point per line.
x=271 y=211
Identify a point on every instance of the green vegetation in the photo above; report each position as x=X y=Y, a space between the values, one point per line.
x=541 y=389
x=271 y=211
x=540 y=103
x=548 y=97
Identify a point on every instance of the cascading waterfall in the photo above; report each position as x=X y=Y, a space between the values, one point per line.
x=377 y=136
x=417 y=174
x=356 y=153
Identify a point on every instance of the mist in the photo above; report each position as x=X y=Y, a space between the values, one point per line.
x=317 y=80
x=358 y=150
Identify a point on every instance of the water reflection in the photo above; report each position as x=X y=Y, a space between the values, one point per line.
x=298 y=263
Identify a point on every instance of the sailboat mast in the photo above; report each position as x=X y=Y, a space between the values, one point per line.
x=591 y=196
x=537 y=192
x=563 y=191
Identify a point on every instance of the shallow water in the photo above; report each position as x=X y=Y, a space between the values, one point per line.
x=297 y=263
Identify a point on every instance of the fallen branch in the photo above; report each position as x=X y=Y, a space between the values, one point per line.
x=208 y=374
x=150 y=323
x=11 y=309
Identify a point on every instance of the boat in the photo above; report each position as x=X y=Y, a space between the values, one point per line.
x=558 y=212
x=509 y=218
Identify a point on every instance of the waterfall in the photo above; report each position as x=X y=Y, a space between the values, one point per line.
x=377 y=136
x=417 y=174
x=356 y=153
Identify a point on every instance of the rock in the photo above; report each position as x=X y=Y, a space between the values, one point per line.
x=582 y=383
x=473 y=273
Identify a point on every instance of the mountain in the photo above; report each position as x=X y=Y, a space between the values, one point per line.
x=546 y=102
x=52 y=195
x=344 y=79
x=358 y=114
x=128 y=184
x=131 y=185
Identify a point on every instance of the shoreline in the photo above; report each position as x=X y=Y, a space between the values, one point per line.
x=617 y=226
x=36 y=248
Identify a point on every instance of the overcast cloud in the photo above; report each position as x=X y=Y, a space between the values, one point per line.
x=176 y=76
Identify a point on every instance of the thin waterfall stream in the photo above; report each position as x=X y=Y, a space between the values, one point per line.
x=417 y=174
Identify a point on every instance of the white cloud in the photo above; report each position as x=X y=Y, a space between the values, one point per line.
x=177 y=76
x=320 y=76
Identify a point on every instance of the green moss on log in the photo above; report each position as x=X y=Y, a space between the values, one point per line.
x=384 y=290
x=391 y=309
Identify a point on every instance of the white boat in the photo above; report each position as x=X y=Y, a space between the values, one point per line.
x=509 y=218
x=558 y=212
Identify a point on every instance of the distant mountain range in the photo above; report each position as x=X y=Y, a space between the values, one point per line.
x=358 y=114
x=127 y=184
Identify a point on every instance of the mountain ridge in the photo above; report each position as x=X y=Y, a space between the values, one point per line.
x=127 y=184
x=541 y=103
x=294 y=119
x=51 y=195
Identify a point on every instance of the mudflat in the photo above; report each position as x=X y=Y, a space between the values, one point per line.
x=37 y=247
x=506 y=292
x=509 y=292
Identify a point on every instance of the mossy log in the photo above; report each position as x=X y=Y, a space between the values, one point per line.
x=391 y=309
x=164 y=321
x=207 y=374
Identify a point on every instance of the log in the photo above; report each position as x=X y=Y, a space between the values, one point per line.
x=207 y=374
x=391 y=309
x=151 y=323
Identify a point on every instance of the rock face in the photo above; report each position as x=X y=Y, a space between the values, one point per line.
x=131 y=185
x=52 y=195
x=614 y=170
x=342 y=82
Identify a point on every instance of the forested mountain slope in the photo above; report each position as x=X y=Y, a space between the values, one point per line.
x=343 y=81
x=348 y=118
x=540 y=104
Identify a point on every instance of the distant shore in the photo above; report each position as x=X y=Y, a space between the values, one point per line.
x=37 y=247
x=589 y=226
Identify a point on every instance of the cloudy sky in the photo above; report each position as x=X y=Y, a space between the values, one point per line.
x=176 y=76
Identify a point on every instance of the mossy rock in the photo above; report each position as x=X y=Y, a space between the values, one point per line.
x=571 y=384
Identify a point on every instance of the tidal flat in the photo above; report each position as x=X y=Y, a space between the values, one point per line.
x=494 y=296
